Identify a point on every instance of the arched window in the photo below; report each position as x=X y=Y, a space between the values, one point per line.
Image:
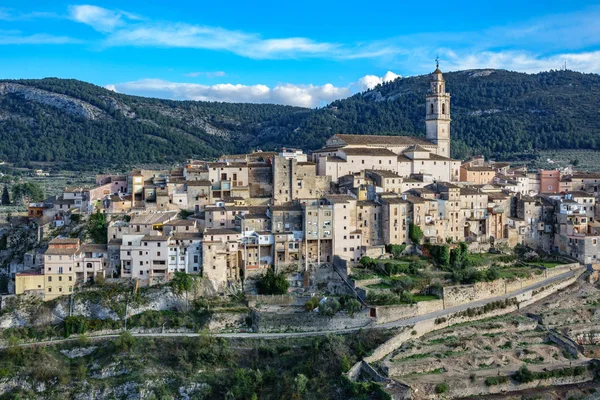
x=431 y=106
x=443 y=108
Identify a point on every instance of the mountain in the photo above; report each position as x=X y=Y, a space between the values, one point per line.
x=495 y=112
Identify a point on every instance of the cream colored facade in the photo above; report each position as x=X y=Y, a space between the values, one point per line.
x=404 y=155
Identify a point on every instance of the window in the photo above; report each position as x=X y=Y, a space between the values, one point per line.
x=431 y=108
x=443 y=108
x=49 y=279
x=60 y=270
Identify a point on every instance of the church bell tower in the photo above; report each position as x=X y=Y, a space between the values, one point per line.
x=437 y=117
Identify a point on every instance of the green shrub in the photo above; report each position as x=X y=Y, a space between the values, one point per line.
x=125 y=341
x=496 y=380
x=311 y=304
x=523 y=375
x=441 y=388
x=272 y=283
x=329 y=307
x=352 y=306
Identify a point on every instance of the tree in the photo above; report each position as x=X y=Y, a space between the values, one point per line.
x=272 y=283
x=352 y=306
x=445 y=256
x=31 y=191
x=5 y=196
x=97 y=228
x=182 y=283
x=523 y=375
x=404 y=284
x=329 y=307
x=415 y=233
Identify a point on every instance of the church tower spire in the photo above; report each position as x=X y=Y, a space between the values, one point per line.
x=437 y=116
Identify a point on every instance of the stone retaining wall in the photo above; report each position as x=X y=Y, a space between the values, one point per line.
x=273 y=300
x=462 y=294
x=303 y=321
x=385 y=314
x=423 y=327
x=461 y=387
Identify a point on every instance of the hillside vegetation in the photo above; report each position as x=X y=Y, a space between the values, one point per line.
x=495 y=112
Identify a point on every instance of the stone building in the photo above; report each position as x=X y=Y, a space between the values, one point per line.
x=346 y=154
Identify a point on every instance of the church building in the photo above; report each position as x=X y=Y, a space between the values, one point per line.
x=346 y=154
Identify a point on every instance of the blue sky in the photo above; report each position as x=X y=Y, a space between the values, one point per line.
x=303 y=53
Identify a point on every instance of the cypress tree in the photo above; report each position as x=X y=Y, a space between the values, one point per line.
x=5 y=196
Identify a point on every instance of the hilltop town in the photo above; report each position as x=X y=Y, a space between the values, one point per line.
x=373 y=231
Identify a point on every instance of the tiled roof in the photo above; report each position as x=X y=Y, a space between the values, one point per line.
x=95 y=248
x=186 y=236
x=335 y=159
x=368 y=151
x=181 y=222
x=60 y=251
x=64 y=241
x=354 y=140
x=155 y=238
x=217 y=231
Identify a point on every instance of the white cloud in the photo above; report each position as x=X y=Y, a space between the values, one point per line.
x=290 y=94
x=10 y=15
x=215 y=38
x=298 y=95
x=524 y=61
x=39 y=38
x=111 y=88
x=207 y=74
x=370 y=81
x=101 y=19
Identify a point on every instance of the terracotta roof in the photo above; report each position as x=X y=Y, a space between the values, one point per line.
x=64 y=241
x=60 y=251
x=29 y=273
x=395 y=140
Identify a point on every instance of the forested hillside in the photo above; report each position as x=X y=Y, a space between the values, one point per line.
x=494 y=112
